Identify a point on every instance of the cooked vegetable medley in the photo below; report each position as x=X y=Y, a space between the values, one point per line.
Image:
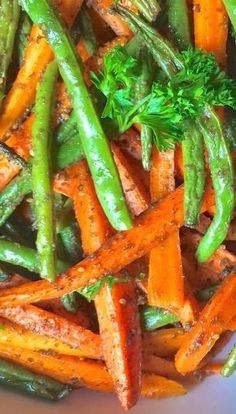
x=117 y=195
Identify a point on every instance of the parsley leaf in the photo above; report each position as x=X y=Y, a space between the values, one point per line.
x=90 y=292
x=199 y=83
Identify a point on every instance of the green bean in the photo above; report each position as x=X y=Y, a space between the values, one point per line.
x=67 y=129
x=71 y=302
x=154 y=318
x=71 y=243
x=206 y=294
x=219 y=156
x=22 y=35
x=194 y=173
x=23 y=256
x=69 y=152
x=13 y=194
x=143 y=88
x=9 y=17
x=163 y=53
x=230 y=6
x=230 y=365
x=41 y=174
x=87 y=32
x=192 y=145
x=179 y=23
x=93 y=139
x=148 y=8
x=222 y=172
x=39 y=386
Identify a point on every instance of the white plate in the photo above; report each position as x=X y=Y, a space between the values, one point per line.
x=215 y=395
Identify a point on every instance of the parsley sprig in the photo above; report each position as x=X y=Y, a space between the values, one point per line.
x=200 y=82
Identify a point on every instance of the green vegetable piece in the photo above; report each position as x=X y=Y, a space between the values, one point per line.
x=90 y=292
x=9 y=17
x=194 y=173
x=13 y=194
x=230 y=365
x=143 y=88
x=41 y=174
x=71 y=243
x=87 y=32
x=223 y=178
x=71 y=302
x=148 y=8
x=205 y=294
x=22 y=36
x=93 y=139
x=179 y=23
x=154 y=318
x=19 y=255
x=39 y=386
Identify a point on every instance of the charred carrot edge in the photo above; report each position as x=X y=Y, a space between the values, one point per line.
x=166 y=279
x=119 y=251
x=211 y=28
x=211 y=324
x=37 y=55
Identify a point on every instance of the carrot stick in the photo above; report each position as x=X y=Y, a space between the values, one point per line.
x=47 y=324
x=130 y=143
x=153 y=364
x=119 y=251
x=18 y=337
x=211 y=27
x=115 y=22
x=37 y=55
x=84 y=373
x=116 y=306
x=135 y=193
x=166 y=279
x=211 y=324
x=163 y=342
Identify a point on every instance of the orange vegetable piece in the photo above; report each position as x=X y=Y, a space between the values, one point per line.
x=166 y=279
x=212 y=323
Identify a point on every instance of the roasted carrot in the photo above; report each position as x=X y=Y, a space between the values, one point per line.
x=18 y=337
x=163 y=342
x=130 y=143
x=47 y=324
x=119 y=251
x=201 y=275
x=84 y=373
x=37 y=55
x=115 y=22
x=116 y=306
x=212 y=323
x=153 y=364
x=80 y=318
x=211 y=27
x=135 y=193
x=166 y=279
